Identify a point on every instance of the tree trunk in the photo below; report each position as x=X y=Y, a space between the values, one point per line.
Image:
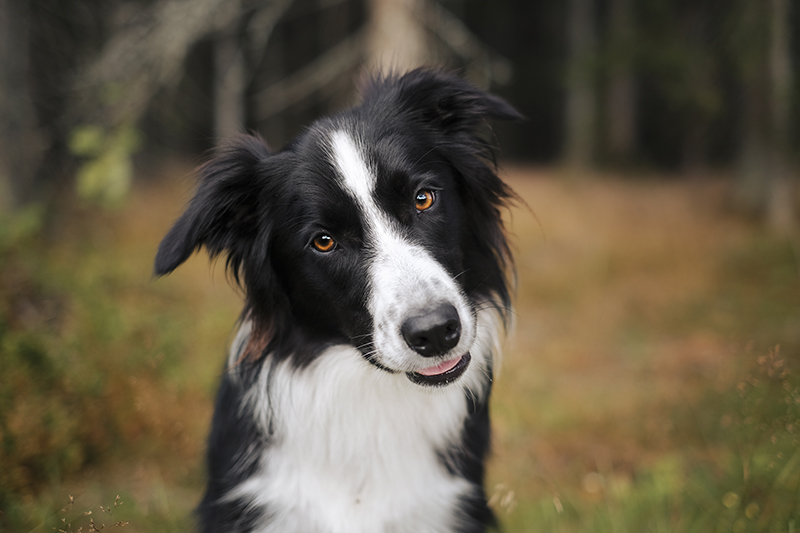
x=751 y=189
x=396 y=38
x=621 y=98
x=229 y=80
x=780 y=206
x=581 y=100
x=20 y=140
x=142 y=58
x=750 y=194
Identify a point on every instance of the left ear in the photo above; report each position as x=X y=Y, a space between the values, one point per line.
x=448 y=102
x=222 y=214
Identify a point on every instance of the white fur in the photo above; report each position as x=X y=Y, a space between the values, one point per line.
x=404 y=279
x=354 y=448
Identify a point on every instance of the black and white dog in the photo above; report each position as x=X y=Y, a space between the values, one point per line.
x=373 y=258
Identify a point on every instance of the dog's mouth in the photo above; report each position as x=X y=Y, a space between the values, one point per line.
x=441 y=374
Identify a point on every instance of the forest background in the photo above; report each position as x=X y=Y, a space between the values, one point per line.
x=651 y=381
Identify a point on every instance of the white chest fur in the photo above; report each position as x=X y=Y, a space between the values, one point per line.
x=355 y=449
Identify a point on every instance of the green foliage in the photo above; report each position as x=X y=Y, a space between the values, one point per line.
x=19 y=227
x=105 y=177
x=36 y=427
x=82 y=378
x=754 y=430
x=744 y=478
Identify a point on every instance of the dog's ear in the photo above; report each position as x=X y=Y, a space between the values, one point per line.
x=223 y=213
x=449 y=102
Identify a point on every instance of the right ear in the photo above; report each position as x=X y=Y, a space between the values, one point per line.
x=223 y=213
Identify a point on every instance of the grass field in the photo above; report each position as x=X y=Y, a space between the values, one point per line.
x=651 y=381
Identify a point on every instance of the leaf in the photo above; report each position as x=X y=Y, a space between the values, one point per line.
x=87 y=140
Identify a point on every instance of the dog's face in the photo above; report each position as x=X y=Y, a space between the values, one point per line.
x=370 y=248
x=378 y=228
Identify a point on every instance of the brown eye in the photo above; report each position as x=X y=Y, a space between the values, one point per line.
x=424 y=199
x=324 y=243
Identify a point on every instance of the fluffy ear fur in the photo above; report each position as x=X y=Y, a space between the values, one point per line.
x=222 y=215
x=443 y=100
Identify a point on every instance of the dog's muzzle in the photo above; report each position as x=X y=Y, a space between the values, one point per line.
x=433 y=333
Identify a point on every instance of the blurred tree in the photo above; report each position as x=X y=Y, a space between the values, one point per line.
x=396 y=36
x=238 y=50
x=99 y=65
x=781 y=206
x=747 y=43
x=334 y=58
x=700 y=101
x=20 y=140
x=580 y=119
x=686 y=83
x=459 y=47
x=760 y=46
x=404 y=34
x=397 y=39
x=144 y=55
x=621 y=93
x=682 y=94
x=531 y=36
x=42 y=43
x=230 y=76
x=91 y=103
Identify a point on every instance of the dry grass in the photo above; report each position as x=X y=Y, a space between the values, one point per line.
x=622 y=320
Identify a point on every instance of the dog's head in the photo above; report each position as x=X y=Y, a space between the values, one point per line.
x=379 y=227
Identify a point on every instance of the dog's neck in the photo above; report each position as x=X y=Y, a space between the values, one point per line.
x=352 y=448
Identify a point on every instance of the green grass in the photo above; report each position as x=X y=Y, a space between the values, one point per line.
x=735 y=467
x=643 y=388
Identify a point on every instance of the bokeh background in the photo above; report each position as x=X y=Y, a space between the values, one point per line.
x=652 y=379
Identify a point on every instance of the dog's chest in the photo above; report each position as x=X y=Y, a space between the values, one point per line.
x=357 y=450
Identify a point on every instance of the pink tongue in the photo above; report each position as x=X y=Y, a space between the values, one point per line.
x=439 y=369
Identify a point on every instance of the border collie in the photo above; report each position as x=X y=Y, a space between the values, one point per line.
x=374 y=264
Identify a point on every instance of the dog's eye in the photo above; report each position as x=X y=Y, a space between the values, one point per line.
x=424 y=199
x=324 y=242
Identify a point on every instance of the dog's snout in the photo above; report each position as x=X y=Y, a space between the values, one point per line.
x=433 y=332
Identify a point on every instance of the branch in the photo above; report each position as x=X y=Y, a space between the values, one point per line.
x=260 y=27
x=465 y=44
x=141 y=58
x=313 y=77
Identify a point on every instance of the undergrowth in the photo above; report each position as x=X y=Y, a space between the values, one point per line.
x=742 y=473
x=106 y=377
x=84 y=381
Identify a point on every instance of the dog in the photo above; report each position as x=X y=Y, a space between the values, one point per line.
x=375 y=269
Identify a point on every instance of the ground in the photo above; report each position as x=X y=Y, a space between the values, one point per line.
x=644 y=384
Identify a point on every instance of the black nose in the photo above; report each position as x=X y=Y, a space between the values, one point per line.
x=434 y=332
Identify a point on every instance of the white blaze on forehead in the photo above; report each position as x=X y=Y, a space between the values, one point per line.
x=359 y=180
x=358 y=177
